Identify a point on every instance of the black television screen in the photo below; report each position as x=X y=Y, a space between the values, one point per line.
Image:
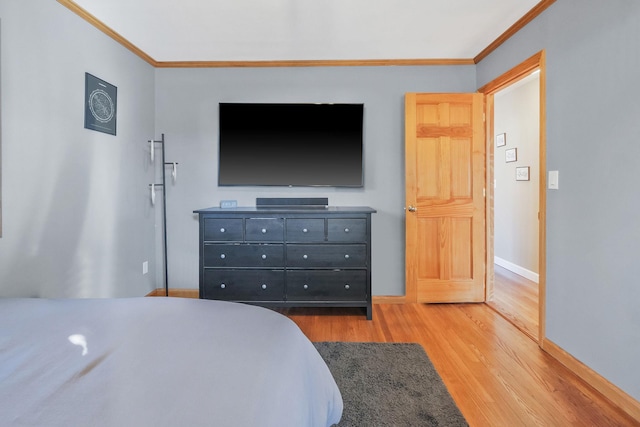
x=291 y=145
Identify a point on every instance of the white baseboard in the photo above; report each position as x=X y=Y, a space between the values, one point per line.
x=521 y=271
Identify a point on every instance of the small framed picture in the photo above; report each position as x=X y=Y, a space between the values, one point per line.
x=100 y=105
x=501 y=140
x=522 y=173
x=511 y=155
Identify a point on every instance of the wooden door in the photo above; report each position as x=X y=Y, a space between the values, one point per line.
x=445 y=213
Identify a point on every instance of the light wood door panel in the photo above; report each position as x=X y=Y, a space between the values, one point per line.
x=445 y=176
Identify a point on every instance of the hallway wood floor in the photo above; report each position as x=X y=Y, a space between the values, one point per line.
x=497 y=375
x=516 y=299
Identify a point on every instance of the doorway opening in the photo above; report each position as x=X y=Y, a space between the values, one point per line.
x=516 y=169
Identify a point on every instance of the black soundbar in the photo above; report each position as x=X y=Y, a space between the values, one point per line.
x=297 y=202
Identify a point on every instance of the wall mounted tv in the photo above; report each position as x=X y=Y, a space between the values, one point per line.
x=291 y=145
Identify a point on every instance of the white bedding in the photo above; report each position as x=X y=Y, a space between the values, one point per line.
x=158 y=362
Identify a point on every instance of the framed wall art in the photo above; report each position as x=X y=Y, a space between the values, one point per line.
x=501 y=140
x=100 y=105
x=511 y=155
x=522 y=173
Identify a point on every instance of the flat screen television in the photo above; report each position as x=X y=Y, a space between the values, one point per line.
x=291 y=145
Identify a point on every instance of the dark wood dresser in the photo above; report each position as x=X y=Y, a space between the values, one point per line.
x=287 y=257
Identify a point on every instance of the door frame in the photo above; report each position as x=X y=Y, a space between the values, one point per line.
x=535 y=62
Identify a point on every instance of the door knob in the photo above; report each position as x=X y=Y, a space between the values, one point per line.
x=411 y=208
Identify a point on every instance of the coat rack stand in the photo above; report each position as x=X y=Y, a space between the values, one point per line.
x=174 y=165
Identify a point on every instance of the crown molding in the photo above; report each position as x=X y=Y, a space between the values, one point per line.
x=72 y=6
x=532 y=14
x=313 y=63
x=520 y=24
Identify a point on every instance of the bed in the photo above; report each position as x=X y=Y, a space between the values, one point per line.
x=158 y=362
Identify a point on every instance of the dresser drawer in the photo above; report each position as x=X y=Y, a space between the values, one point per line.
x=223 y=229
x=243 y=255
x=264 y=229
x=243 y=285
x=305 y=230
x=346 y=285
x=346 y=230
x=323 y=256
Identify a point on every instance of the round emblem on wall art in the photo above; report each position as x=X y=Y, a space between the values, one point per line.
x=101 y=106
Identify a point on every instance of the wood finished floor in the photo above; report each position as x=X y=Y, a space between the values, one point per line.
x=516 y=299
x=497 y=375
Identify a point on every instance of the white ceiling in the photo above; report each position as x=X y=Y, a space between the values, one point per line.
x=291 y=30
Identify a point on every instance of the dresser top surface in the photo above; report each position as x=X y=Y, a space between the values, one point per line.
x=290 y=209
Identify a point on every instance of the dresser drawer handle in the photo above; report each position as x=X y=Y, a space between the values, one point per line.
x=304 y=256
x=347 y=286
x=264 y=231
x=306 y=286
x=264 y=256
x=222 y=286
x=346 y=230
x=304 y=230
x=346 y=256
x=222 y=230
x=263 y=286
x=222 y=256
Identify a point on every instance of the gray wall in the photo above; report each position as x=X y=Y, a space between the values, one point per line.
x=517 y=114
x=187 y=112
x=76 y=214
x=593 y=237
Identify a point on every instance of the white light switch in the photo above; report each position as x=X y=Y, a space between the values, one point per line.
x=145 y=267
x=553 y=180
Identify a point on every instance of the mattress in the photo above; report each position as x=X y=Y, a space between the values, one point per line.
x=158 y=362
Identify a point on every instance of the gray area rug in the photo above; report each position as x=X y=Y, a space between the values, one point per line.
x=389 y=384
